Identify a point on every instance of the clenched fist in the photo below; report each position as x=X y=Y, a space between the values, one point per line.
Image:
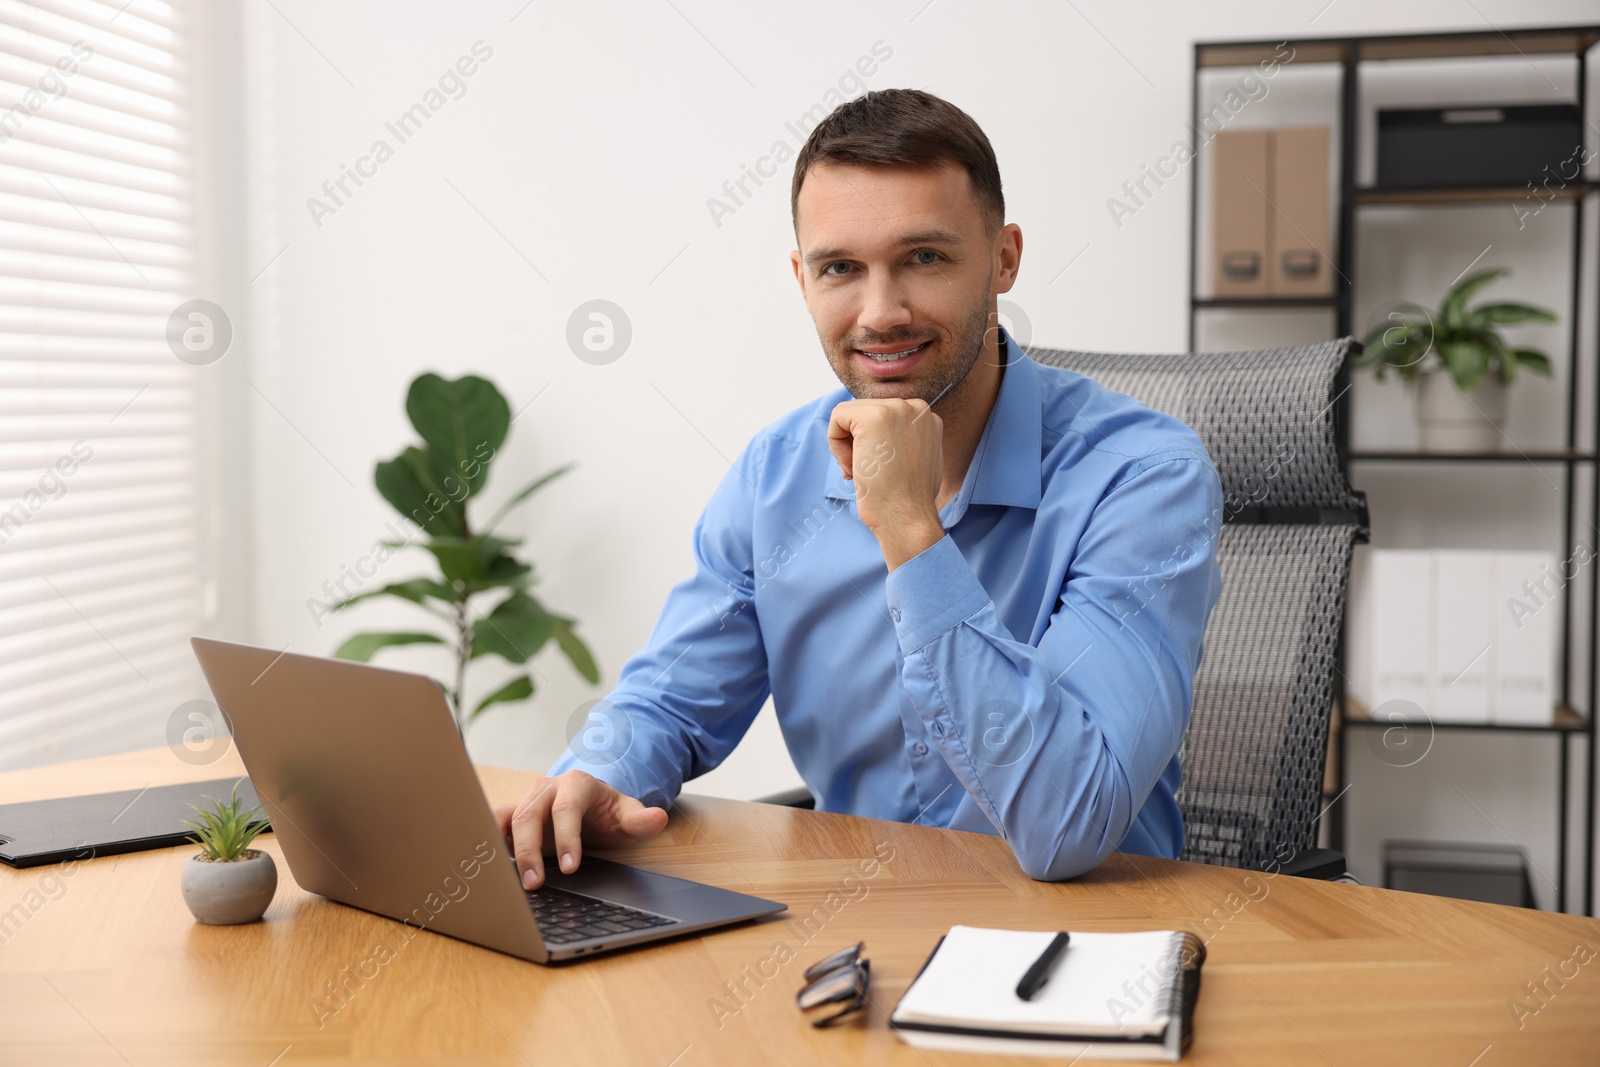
x=893 y=449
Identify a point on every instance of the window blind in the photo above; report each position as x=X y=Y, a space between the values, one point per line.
x=101 y=531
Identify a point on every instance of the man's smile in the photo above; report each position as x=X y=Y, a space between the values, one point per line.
x=891 y=360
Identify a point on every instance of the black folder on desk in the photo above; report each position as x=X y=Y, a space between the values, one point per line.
x=36 y=832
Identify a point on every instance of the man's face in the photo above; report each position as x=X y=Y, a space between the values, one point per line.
x=898 y=275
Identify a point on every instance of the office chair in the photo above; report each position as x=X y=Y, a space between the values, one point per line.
x=1254 y=753
x=1257 y=741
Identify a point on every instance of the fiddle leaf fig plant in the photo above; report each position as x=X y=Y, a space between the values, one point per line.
x=1464 y=342
x=462 y=424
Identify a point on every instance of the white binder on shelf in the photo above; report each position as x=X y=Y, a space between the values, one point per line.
x=1463 y=635
x=1527 y=603
x=1400 y=599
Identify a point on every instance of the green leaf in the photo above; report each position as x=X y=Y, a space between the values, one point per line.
x=464 y=423
x=457 y=556
x=362 y=647
x=1402 y=342
x=503 y=572
x=471 y=559
x=515 y=630
x=1400 y=346
x=224 y=832
x=1499 y=359
x=539 y=483
x=447 y=494
x=1466 y=363
x=408 y=485
x=416 y=590
x=504 y=567
x=1373 y=348
x=576 y=651
x=1507 y=313
x=1535 y=360
x=1455 y=302
x=519 y=688
x=1506 y=369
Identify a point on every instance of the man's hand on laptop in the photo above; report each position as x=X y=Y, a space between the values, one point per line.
x=560 y=814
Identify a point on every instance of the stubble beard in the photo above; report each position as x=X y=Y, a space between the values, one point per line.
x=943 y=386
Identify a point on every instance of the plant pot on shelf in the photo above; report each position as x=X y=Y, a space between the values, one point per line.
x=1433 y=349
x=226 y=892
x=1453 y=421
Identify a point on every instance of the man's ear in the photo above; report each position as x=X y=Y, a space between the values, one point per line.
x=799 y=275
x=1008 y=249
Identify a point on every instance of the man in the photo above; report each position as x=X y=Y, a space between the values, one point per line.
x=975 y=586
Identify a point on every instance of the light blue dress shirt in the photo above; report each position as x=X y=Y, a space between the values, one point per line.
x=1030 y=674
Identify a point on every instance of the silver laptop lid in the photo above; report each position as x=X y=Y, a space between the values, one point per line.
x=371 y=793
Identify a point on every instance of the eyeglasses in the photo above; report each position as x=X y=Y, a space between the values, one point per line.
x=840 y=979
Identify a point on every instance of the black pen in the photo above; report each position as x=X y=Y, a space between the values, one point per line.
x=1039 y=973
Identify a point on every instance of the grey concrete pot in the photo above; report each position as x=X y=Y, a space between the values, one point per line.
x=1453 y=421
x=225 y=893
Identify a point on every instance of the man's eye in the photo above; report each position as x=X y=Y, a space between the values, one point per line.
x=829 y=268
x=933 y=256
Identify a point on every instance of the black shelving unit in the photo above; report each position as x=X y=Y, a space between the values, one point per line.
x=1349 y=55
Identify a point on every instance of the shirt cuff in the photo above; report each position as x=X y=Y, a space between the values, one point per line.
x=931 y=593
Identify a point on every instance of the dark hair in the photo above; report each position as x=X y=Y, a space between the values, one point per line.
x=890 y=127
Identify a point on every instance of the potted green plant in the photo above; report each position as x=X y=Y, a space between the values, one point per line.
x=1458 y=362
x=462 y=424
x=227 y=881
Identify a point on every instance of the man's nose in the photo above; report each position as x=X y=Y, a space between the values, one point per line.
x=885 y=306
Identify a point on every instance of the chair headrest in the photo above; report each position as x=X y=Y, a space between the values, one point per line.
x=1265 y=416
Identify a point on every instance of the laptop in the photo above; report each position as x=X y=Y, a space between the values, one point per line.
x=375 y=804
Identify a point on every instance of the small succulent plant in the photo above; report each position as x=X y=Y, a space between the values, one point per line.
x=224 y=831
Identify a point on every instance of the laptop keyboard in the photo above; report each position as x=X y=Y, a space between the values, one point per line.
x=564 y=916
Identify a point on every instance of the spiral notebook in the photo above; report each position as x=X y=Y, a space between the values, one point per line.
x=1113 y=996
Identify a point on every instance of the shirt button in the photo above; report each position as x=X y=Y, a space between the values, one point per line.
x=920 y=749
x=894 y=613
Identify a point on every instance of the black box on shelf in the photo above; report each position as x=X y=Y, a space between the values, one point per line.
x=1491 y=145
x=1494 y=874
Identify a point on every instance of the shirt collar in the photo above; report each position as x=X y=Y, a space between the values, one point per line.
x=1006 y=467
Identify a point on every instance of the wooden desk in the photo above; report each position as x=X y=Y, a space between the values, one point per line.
x=107 y=967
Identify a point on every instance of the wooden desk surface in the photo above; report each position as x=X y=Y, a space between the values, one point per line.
x=106 y=966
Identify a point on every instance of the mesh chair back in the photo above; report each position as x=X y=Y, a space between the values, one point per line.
x=1254 y=751
x=1266 y=416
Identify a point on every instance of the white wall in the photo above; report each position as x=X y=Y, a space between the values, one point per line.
x=578 y=166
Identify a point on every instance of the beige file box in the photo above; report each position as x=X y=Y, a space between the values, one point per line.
x=1239 y=214
x=1299 y=259
x=1270 y=214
